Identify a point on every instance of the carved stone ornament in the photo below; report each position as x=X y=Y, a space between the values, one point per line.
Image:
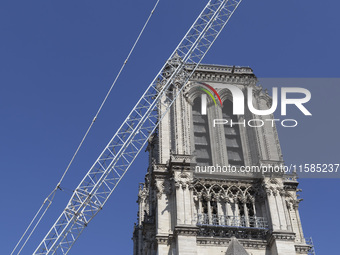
x=182 y=180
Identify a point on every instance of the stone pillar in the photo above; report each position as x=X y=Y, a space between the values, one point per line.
x=246 y=215
x=163 y=216
x=289 y=207
x=272 y=208
x=220 y=213
x=236 y=219
x=200 y=211
x=283 y=222
x=228 y=212
x=287 y=217
x=162 y=210
x=296 y=206
x=254 y=209
x=200 y=205
x=209 y=210
x=188 y=204
x=179 y=204
x=192 y=206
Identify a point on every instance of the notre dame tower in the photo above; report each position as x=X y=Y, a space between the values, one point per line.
x=186 y=212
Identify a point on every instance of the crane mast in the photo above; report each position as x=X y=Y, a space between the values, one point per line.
x=110 y=167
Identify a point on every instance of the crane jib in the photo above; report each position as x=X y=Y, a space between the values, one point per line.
x=100 y=181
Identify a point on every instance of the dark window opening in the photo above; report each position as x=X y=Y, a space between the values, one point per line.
x=232 y=135
x=201 y=135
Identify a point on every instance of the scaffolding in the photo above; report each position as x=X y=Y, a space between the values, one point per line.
x=311 y=251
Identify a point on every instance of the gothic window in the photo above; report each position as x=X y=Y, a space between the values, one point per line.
x=224 y=205
x=232 y=135
x=241 y=208
x=204 y=213
x=213 y=205
x=201 y=134
x=204 y=206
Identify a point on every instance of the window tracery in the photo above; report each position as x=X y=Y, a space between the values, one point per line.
x=227 y=205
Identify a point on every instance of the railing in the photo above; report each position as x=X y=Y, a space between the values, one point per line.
x=231 y=221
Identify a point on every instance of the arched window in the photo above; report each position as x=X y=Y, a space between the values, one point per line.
x=232 y=136
x=201 y=135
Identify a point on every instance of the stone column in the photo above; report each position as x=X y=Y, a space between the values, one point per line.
x=289 y=207
x=280 y=209
x=245 y=209
x=229 y=213
x=272 y=208
x=200 y=211
x=163 y=216
x=296 y=206
x=209 y=210
x=200 y=205
x=287 y=217
x=237 y=215
x=179 y=204
x=192 y=205
x=220 y=213
x=188 y=203
x=254 y=209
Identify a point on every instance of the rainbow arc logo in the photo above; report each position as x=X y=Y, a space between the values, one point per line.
x=204 y=97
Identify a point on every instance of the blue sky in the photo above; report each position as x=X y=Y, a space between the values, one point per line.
x=58 y=59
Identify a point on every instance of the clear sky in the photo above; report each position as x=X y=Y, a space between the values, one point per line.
x=58 y=59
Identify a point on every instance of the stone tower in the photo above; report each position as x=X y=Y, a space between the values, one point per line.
x=183 y=211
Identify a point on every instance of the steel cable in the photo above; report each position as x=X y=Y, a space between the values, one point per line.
x=51 y=196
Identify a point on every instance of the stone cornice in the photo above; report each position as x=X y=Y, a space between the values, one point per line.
x=282 y=236
x=160 y=171
x=164 y=239
x=219 y=73
x=252 y=244
x=302 y=248
x=229 y=182
x=159 y=168
x=246 y=80
x=223 y=69
x=180 y=159
x=186 y=230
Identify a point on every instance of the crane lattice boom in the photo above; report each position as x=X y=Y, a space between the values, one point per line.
x=98 y=184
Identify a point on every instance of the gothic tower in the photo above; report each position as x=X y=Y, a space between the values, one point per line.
x=183 y=211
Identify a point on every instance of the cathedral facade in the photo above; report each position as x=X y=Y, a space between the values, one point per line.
x=186 y=210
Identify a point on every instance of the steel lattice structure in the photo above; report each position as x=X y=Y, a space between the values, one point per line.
x=110 y=167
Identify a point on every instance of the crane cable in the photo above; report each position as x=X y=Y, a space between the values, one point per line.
x=50 y=197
